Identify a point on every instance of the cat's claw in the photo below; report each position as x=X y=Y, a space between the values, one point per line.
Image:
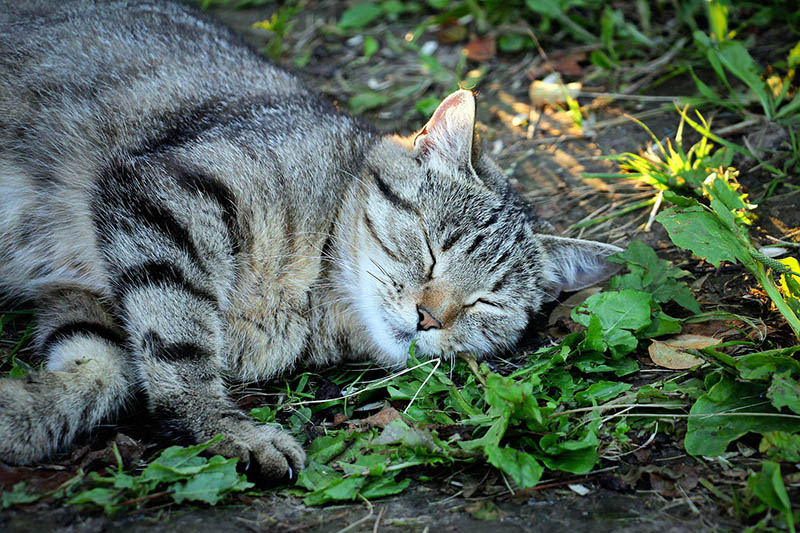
x=267 y=453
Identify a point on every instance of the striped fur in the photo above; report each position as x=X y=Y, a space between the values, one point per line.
x=183 y=212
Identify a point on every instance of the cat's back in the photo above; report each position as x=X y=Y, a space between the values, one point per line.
x=107 y=61
x=86 y=85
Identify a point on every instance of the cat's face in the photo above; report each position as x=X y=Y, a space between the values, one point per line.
x=446 y=253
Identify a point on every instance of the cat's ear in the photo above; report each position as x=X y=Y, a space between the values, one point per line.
x=575 y=264
x=448 y=141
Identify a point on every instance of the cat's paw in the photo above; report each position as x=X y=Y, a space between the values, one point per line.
x=266 y=453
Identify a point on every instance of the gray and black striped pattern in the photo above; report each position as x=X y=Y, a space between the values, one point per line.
x=184 y=212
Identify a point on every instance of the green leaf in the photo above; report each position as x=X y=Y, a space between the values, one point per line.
x=784 y=391
x=385 y=486
x=735 y=57
x=18 y=496
x=663 y=324
x=367 y=100
x=359 y=16
x=762 y=365
x=338 y=490
x=265 y=414
x=600 y=59
x=212 y=484
x=768 y=486
x=326 y=447
x=397 y=431
x=316 y=476
x=575 y=456
x=615 y=315
x=601 y=392
x=781 y=446
x=490 y=438
x=696 y=229
x=656 y=276
x=370 y=47
x=626 y=309
x=729 y=410
x=101 y=497
x=513 y=42
x=522 y=467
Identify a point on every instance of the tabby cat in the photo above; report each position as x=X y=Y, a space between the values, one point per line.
x=184 y=213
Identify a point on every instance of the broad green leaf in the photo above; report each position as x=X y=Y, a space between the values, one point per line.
x=696 y=229
x=762 y=365
x=768 y=486
x=626 y=309
x=398 y=431
x=316 y=476
x=501 y=391
x=359 y=16
x=101 y=497
x=735 y=57
x=601 y=392
x=663 y=324
x=575 y=456
x=722 y=415
x=781 y=446
x=784 y=391
x=513 y=42
x=265 y=414
x=339 y=490
x=522 y=467
x=18 y=496
x=385 y=486
x=490 y=438
x=367 y=100
x=211 y=485
x=370 y=47
x=326 y=447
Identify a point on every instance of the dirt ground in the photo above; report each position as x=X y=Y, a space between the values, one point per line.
x=546 y=155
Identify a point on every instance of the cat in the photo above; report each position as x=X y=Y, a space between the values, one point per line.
x=182 y=212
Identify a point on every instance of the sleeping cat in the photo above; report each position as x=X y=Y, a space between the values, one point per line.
x=183 y=213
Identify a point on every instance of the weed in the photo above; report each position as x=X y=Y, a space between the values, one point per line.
x=279 y=25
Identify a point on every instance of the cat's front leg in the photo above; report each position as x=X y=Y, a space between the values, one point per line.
x=169 y=243
x=176 y=334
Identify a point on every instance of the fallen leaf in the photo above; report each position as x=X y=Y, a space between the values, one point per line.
x=551 y=91
x=481 y=48
x=579 y=489
x=382 y=418
x=451 y=32
x=672 y=353
x=568 y=65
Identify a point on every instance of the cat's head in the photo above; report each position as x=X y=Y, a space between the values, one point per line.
x=444 y=251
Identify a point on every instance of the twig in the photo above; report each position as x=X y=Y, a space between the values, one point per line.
x=654 y=211
x=435 y=367
x=365 y=389
x=362 y=519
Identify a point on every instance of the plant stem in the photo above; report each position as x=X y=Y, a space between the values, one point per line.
x=775 y=295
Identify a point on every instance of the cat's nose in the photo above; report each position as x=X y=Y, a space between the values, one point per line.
x=425 y=320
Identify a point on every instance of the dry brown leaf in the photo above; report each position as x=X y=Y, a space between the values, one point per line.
x=672 y=352
x=382 y=418
x=481 y=48
x=568 y=65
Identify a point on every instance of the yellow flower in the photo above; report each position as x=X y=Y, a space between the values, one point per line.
x=792 y=263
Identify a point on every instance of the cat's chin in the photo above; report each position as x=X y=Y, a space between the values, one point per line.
x=391 y=343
